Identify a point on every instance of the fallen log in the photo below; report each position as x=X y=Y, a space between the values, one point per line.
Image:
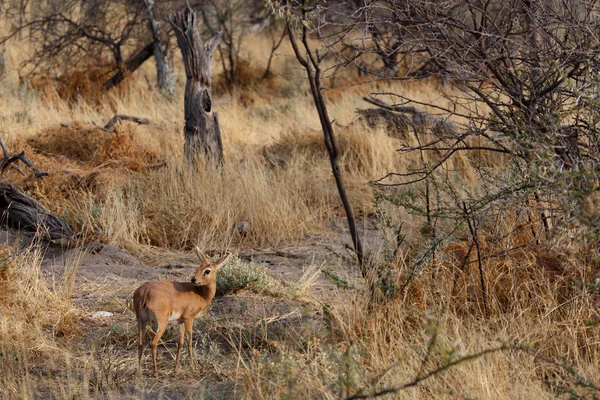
x=396 y=125
x=421 y=121
x=21 y=212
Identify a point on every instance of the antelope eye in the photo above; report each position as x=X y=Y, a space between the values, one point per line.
x=206 y=272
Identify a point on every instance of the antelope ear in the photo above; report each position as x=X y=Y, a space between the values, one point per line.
x=222 y=261
x=201 y=256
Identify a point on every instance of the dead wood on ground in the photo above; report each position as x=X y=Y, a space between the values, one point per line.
x=21 y=212
x=120 y=117
x=8 y=160
x=421 y=121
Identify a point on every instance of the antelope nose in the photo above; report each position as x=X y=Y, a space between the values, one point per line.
x=193 y=280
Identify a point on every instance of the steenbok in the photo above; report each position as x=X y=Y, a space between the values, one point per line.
x=164 y=301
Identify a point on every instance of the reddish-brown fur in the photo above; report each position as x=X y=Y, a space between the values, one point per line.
x=164 y=301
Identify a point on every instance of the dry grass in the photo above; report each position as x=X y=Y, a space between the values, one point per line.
x=370 y=347
x=345 y=343
x=361 y=346
x=37 y=320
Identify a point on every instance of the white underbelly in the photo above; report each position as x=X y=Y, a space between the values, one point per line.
x=174 y=317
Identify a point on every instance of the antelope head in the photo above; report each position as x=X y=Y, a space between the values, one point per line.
x=206 y=273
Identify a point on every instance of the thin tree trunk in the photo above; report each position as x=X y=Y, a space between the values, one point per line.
x=2 y=60
x=22 y=9
x=313 y=71
x=162 y=54
x=202 y=133
x=274 y=46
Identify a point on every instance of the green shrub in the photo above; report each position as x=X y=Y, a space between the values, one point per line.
x=238 y=275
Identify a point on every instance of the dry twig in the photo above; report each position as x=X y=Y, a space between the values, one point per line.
x=120 y=117
x=9 y=160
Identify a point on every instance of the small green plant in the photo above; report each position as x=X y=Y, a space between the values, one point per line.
x=238 y=275
x=23 y=117
x=336 y=280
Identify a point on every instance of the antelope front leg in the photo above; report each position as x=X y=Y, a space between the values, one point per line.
x=179 y=346
x=189 y=325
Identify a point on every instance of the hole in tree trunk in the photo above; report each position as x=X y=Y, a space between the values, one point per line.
x=206 y=102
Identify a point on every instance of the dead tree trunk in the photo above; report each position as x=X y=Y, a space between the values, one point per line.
x=162 y=53
x=130 y=65
x=202 y=133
